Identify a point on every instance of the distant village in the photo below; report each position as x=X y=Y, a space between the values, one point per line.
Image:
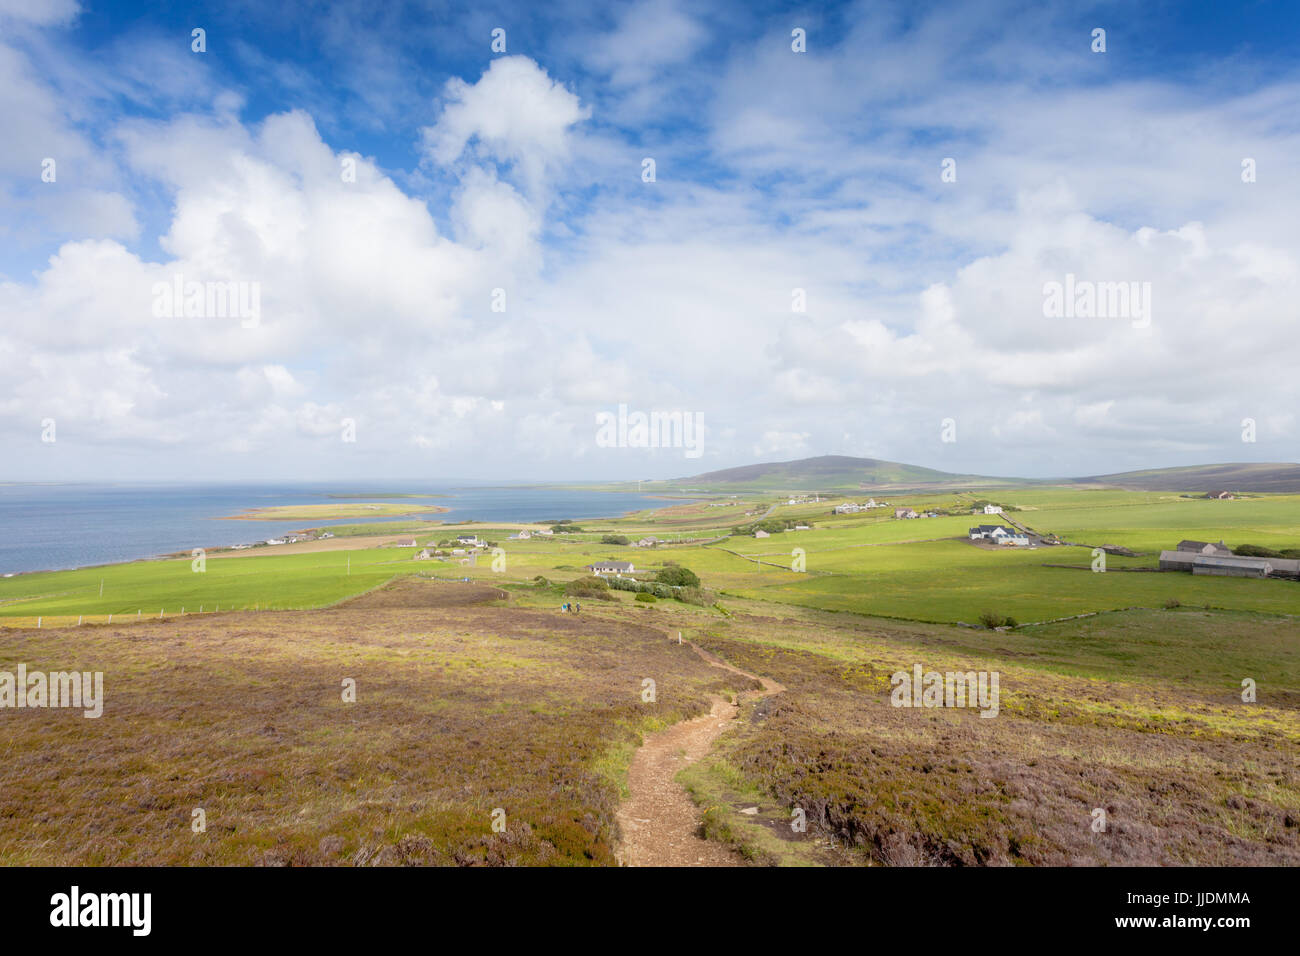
x=1190 y=556
x=986 y=533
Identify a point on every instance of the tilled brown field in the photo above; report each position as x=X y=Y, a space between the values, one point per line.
x=464 y=714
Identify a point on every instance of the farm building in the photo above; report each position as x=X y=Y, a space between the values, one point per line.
x=468 y=539
x=1017 y=540
x=1228 y=564
x=904 y=513
x=647 y=542
x=1219 y=495
x=1232 y=567
x=852 y=507
x=760 y=533
x=611 y=567
x=991 y=532
x=1202 y=547
x=993 y=509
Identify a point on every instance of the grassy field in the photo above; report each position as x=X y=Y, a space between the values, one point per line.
x=870 y=563
x=1135 y=710
x=168 y=586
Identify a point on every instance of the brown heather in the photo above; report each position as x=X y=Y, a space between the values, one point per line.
x=461 y=708
x=471 y=698
x=1186 y=772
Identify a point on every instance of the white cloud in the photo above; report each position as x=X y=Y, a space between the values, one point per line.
x=515 y=114
x=925 y=300
x=650 y=35
x=42 y=13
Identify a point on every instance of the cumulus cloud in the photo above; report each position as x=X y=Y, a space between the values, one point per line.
x=515 y=114
x=378 y=291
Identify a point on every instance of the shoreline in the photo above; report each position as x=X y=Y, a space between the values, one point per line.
x=264 y=513
x=256 y=548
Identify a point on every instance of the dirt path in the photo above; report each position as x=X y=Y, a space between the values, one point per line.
x=659 y=822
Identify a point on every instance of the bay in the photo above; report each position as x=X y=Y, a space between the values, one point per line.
x=46 y=527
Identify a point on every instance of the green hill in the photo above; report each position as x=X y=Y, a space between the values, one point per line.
x=830 y=473
x=841 y=473
x=1276 y=477
x=833 y=473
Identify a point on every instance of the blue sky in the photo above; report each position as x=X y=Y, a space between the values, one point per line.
x=522 y=171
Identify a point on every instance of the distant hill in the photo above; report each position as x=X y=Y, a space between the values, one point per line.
x=1277 y=477
x=836 y=473
x=841 y=473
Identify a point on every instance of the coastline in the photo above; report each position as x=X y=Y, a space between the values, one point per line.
x=335 y=543
x=327 y=513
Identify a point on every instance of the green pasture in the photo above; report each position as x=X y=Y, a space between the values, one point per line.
x=1272 y=521
x=167 y=586
x=922 y=569
x=953 y=581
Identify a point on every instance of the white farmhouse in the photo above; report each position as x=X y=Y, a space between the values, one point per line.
x=618 y=568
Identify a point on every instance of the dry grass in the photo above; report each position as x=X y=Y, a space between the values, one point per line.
x=472 y=698
x=1186 y=774
x=461 y=708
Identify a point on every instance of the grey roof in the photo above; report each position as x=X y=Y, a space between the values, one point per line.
x=1231 y=561
x=613 y=565
x=1191 y=559
x=988 y=528
x=1188 y=544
